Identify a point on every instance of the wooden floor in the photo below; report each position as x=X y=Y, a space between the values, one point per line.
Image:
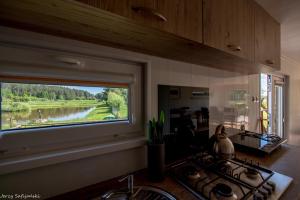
x=294 y=138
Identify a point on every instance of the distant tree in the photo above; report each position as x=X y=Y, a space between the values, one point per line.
x=23 y=92
x=52 y=95
x=120 y=91
x=105 y=93
x=6 y=94
x=116 y=101
x=100 y=97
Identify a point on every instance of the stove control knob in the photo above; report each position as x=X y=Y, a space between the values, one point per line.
x=258 y=196
x=267 y=188
x=272 y=185
x=263 y=192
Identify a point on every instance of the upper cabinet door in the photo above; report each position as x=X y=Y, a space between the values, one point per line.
x=180 y=17
x=267 y=39
x=120 y=7
x=229 y=26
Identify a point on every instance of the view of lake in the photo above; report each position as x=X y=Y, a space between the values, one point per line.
x=46 y=114
x=26 y=105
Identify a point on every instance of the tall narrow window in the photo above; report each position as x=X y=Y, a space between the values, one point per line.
x=264 y=102
x=31 y=105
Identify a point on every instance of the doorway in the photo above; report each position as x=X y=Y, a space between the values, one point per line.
x=278 y=121
x=272 y=104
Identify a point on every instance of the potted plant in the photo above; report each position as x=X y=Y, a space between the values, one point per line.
x=156 y=149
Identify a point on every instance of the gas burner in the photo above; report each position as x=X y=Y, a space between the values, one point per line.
x=251 y=173
x=228 y=179
x=191 y=173
x=225 y=167
x=223 y=192
x=205 y=159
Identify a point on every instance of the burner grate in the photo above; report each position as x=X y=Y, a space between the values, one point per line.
x=235 y=170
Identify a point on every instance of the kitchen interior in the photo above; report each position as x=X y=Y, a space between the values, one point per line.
x=150 y=99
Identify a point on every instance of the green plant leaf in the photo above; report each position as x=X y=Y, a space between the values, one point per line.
x=162 y=117
x=153 y=123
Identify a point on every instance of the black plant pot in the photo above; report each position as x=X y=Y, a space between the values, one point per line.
x=156 y=162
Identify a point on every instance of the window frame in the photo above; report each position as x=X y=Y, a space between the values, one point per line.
x=27 y=142
x=44 y=81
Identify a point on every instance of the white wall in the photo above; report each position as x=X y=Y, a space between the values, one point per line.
x=56 y=179
x=63 y=177
x=220 y=84
x=292 y=69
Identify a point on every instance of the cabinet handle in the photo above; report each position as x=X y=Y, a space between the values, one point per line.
x=270 y=62
x=69 y=60
x=234 y=47
x=140 y=9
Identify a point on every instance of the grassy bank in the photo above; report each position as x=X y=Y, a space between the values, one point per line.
x=32 y=105
x=102 y=112
x=63 y=103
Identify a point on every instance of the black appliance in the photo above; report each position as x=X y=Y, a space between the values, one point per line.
x=186 y=128
x=264 y=143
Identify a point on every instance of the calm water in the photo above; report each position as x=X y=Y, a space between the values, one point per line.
x=44 y=115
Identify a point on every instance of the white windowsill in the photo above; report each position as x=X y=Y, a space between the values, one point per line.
x=34 y=161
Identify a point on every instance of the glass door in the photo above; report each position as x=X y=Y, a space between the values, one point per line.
x=272 y=101
x=278 y=108
x=265 y=103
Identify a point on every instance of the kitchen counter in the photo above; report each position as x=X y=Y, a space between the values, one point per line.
x=285 y=160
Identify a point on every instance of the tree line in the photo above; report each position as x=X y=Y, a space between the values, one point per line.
x=30 y=92
x=27 y=92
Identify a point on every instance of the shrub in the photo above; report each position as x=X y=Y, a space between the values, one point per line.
x=15 y=107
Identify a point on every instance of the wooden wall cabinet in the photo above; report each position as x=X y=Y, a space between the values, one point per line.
x=267 y=39
x=228 y=25
x=239 y=27
x=180 y=17
x=120 y=7
x=223 y=34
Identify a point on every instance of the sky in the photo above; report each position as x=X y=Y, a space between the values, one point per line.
x=92 y=90
x=264 y=84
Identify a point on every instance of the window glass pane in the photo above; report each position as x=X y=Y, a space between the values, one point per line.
x=26 y=105
x=264 y=102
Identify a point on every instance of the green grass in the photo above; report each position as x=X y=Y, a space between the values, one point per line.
x=15 y=107
x=62 y=103
x=98 y=114
x=103 y=111
x=32 y=105
x=5 y=126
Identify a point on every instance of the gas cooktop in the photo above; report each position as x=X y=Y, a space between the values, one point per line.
x=234 y=179
x=261 y=142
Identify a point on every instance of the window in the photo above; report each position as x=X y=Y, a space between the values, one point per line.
x=47 y=121
x=265 y=101
x=32 y=105
x=69 y=66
